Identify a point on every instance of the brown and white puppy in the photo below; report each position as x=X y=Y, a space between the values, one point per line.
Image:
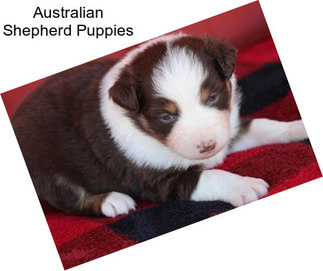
x=147 y=127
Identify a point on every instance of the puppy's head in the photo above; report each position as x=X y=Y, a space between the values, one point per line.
x=179 y=92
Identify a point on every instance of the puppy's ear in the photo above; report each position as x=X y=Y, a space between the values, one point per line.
x=222 y=54
x=125 y=91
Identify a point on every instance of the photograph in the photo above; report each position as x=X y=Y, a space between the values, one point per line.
x=163 y=134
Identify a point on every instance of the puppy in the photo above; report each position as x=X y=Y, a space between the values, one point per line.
x=149 y=126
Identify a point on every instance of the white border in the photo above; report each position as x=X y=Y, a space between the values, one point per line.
x=282 y=232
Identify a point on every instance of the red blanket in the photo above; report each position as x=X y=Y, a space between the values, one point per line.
x=266 y=93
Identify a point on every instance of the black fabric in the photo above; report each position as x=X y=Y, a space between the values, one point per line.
x=262 y=88
x=146 y=224
x=307 y=141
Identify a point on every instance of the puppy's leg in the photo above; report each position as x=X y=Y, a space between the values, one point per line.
x=71 y=198
x=222 y=185
x=258 y=132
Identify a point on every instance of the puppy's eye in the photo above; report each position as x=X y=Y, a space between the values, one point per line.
x=167 y=117
x=212 y=98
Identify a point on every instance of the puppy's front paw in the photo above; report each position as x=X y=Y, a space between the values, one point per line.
x=117 y=204
x=246 y=189
x=296 y=131
x=229 y=187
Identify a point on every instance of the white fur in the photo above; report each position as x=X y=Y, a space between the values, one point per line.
x=137 y=146
x=113 y=74
x=179 y=77
x=265 y=131
x=117 y=204
x=228 y=187
x=235 y=108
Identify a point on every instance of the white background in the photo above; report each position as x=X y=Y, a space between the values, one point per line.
x=282 y=232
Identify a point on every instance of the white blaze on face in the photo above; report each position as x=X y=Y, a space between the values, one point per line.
x=200 y=131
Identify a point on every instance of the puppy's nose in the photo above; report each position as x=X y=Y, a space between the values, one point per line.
x=206 y=146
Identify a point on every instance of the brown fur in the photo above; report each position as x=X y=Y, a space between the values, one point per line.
x=171 y=107
x=205 y=94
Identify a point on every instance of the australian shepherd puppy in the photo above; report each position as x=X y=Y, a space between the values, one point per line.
x=101 y=136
